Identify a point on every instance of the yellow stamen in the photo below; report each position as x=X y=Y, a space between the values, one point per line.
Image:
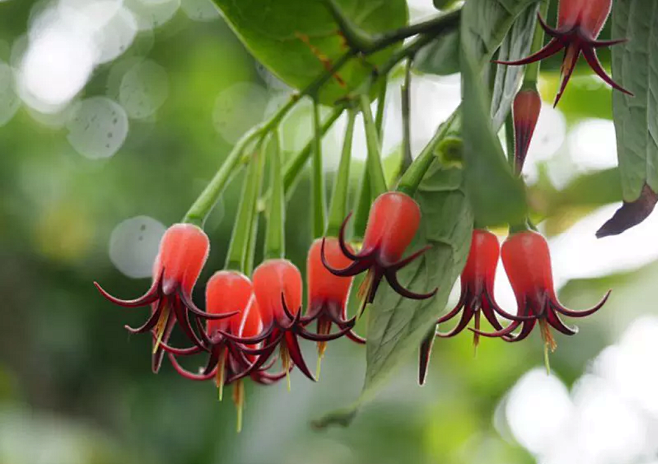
x=476 y=336
x=549 y=343
x=161 y=327
x=285 y=361
x=239 y=400
x=219 y=377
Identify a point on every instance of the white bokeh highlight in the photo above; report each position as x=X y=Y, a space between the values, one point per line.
x=97 y=128
x=151 y=14
x=144 y=89
x=134 y=245
x=200 y=10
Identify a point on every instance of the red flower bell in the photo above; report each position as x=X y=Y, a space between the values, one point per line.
x=327 y=293
x=227 y=293
x=393 y=222
x=579 y=24
x=278 y=291
x=527 y=261
x=182 y=254
x=477 y=287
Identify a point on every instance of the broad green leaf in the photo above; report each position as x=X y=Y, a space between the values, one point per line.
x=396 y=325
x=496 y=195
x=298 y=39
x=635 y=66
x=508 y=78
x=441 y=57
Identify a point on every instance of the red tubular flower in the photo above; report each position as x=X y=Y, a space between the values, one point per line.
x=183 y=253
x=477 y=287
x=526 y=109
x=278 y=291
x=392 y=224
x=579 y=24
x=227 y=293
x=527 y=261
x=327 y=293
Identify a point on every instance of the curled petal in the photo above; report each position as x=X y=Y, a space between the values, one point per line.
x=455 y=310
x=296 y=355
x=501 y=333
x=357 y=267
x=189 y=304
x=189 y=375
x=321 y=338
x=180 y=351
x=150 y=323
x=595 y=64
x=467 y=315
x=149 y=297
x=553 y=47
x=586 y=312
x=249 y=340
x=392 y=279
x=526 y=329
x=343 y=243
x=402 y=263
x=606 y=43
x=355 y=337
x=557 y=323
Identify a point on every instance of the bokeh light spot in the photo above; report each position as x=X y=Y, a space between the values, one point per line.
x=98 y=127
x=200 y=10
x=151 y=14
x=134 y=245
x=144 y=88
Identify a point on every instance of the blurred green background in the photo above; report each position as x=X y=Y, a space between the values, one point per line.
x=115 y=111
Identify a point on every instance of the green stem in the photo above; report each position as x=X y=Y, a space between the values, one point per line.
x=250 y=255
x=373 y=161
x=414 y=175
x=364 y=199
x=319 y=201
x=366 y=43
x=239 y=245
x=406 y=119
x=275 y=234
x=203 y=205
x=295 y=166
x=381 y=107
x=341 y=186
x=532 y=70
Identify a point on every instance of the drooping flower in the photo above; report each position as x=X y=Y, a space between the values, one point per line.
x=527 y=262
x=393 y=222
x=227 y=292
x=526 y=109
x=182 y=254
x=477 y=287
x=578 y=26
x=278 y=290
x=327 y=293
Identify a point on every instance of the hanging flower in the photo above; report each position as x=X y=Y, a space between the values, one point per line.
x=327 y=293
x=527 y=261
x=578 y=26
x=183 y=253
x=393 y=222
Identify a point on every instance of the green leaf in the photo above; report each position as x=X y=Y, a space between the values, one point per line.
x=496 y=195
x=397 y=325
x=508 y=78
x=635 y=66
x=292 y=38
x=441 y=57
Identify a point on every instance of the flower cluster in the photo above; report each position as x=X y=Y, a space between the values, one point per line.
x=250 y=322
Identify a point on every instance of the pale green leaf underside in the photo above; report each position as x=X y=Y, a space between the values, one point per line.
x=635 y=66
